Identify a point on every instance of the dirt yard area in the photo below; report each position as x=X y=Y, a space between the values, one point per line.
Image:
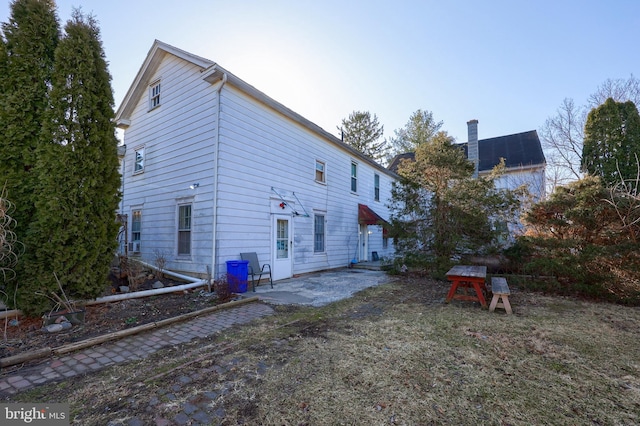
x=27 y=334
x=392 y=354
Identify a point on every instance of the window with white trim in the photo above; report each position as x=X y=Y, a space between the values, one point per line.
x=184 y=229
x=320 y=177
x=318 y=234
x=138 y=165
x=154 y=95
x=136 y=232
x=354 y=176
x=136 y=225
x=376 y=187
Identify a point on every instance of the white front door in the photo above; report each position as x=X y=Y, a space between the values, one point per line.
x=363 y=243
x=282 y=264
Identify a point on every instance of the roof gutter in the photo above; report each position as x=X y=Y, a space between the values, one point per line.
x=520 y=168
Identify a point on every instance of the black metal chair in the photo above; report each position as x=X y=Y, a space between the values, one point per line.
x=255 y=270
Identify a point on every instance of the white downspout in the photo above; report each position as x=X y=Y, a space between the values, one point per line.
x=144 y=293
x=214 y=231
x=192 y=283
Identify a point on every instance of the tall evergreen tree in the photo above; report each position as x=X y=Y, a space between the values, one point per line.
x=420 y=128
x=75 y=228
x=612 y=141
x=439 y=210
x=30 y=38
x=3 y=66
x=362 y=131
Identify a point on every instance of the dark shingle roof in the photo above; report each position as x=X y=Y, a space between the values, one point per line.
x=521 y=149
x=395 y=162
x=518 y=150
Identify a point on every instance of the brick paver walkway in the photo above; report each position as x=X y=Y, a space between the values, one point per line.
x=129 y=348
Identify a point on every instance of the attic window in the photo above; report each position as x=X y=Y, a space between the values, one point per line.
x=154 y=95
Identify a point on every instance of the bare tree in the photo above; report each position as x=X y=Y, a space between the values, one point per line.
x=620 y=90
x=562 y=138
x=8 y=253
x=562 y=135
x=8 y=250
x=624 y=197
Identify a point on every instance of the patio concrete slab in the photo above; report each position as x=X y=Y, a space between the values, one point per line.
x=319 y=288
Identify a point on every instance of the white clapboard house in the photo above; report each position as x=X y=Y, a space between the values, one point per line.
x=214 y=168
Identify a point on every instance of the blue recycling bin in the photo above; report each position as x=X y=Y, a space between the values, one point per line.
x=238 y=275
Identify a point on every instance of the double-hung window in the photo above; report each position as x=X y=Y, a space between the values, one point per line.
x=318 y=234
x=376 y=187
x=354 y=176
x=184 y=229
x=136 y=225
x=320 y=171
x=136 y=231
x=154 y=95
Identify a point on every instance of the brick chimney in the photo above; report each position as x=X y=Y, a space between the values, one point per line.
x=472 y=144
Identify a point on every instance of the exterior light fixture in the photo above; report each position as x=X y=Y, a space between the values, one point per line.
x=194 y=186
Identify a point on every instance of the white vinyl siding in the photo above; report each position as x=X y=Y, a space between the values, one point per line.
x=181 y=148
x=180 y=137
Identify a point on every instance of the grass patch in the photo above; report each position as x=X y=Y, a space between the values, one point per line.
x=393 y=354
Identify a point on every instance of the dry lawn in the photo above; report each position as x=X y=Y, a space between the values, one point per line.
x=394 y=354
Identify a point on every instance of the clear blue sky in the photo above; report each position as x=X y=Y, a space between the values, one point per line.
x=508 y=64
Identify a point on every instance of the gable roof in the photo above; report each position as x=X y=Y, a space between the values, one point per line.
x=213 y=73
x=151 y=63
x=520 y=150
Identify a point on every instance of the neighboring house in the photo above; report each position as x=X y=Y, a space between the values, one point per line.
x=522 y=153
x=214 y=167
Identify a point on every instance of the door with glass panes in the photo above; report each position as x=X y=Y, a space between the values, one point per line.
x=282 y=263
